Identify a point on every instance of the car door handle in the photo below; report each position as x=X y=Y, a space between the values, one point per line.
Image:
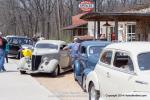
x=141 y=82
x=108 y=75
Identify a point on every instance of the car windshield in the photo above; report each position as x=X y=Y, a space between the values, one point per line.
x=46 y=46
x=21 y=41
x=95 y=50
x=144 y=61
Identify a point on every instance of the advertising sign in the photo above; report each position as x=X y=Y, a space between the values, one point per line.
x=86 y=5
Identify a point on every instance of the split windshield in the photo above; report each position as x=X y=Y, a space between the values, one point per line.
x=21 y=41
x=95 y=50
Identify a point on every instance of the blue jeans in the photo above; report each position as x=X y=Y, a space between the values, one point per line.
x=73 y=59
x=2 y=59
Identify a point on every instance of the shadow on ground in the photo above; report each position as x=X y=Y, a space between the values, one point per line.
x=50 y=75
x=10 y=57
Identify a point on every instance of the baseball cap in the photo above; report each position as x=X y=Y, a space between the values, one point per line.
x=76 y=39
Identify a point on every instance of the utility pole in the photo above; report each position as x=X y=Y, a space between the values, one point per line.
x=95 y=1
x=58 y=18
x=95 y=21
x=95 y=5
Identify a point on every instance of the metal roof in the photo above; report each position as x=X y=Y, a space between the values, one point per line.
x=77 y=26
x=100 y=16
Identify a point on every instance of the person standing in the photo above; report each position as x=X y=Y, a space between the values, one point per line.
x=73 y=47
x=6 y=51
x=3 y=43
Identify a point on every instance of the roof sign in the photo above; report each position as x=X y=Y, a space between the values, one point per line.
x=86 y=5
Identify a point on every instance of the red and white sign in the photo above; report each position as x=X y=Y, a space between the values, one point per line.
x=86 y=5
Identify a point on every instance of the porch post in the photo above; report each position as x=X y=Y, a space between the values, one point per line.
x=98 y=29
x=116 y=29
x=94 y=30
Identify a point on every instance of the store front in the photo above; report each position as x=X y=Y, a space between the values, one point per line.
x=138 y=31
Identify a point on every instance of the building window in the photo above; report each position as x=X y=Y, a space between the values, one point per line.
x=130 y=32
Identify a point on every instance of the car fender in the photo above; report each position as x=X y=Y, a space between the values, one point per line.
x=52 y=65
x=77 y=67
x=92 y=77
x=87 y=71
x=22 y=62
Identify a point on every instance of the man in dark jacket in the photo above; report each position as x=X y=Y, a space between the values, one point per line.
x=3 y=43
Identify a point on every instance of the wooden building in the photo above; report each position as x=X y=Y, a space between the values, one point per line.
x=142 y=19
x=78 y=26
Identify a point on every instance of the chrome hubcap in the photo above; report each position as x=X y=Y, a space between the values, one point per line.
x=56 y=70
x=84 y=82
x=93 y=93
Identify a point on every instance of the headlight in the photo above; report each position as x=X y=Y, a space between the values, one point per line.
x=45 y=60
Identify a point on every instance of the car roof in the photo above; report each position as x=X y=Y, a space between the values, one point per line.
x=16 y=36
x=95 y=43
x=133 y=47
x=58 y=42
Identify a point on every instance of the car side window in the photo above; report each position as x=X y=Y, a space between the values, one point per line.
x=83 y=50
x=123 y=61
x=62 y=46
x=106 y=57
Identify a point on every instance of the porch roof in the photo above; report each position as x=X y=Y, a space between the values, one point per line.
x=100 y=16
x=76 y=26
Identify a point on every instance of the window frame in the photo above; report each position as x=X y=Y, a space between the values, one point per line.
x=84 y=48
x=130 y=35
x=122 y=70
x=138 y=60
x=104 y=51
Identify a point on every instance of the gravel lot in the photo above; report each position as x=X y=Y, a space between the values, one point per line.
x=64 y=86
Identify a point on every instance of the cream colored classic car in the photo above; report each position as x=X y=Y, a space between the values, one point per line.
x=122 y=73
x=48 y=57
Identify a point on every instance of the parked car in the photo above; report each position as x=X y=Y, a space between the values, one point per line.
x=88 y=56
x=48 y=57
x=122 y=70
x=16 y=43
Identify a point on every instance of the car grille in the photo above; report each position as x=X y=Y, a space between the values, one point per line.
x=36 y=60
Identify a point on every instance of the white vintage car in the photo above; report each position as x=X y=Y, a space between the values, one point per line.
x=48 y=57
x=122 y=73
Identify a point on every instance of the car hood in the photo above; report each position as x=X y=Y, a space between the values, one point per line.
x=27 y=46
x=44 y=51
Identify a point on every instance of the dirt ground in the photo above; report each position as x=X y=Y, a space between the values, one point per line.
x=64 y=86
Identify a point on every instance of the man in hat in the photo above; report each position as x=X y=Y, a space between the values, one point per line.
x=73 y=47
x=3 y=43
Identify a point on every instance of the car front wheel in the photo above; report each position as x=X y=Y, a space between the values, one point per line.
x=22 y=72
x=84 y=83
x=56 y=71
x=93 y=94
